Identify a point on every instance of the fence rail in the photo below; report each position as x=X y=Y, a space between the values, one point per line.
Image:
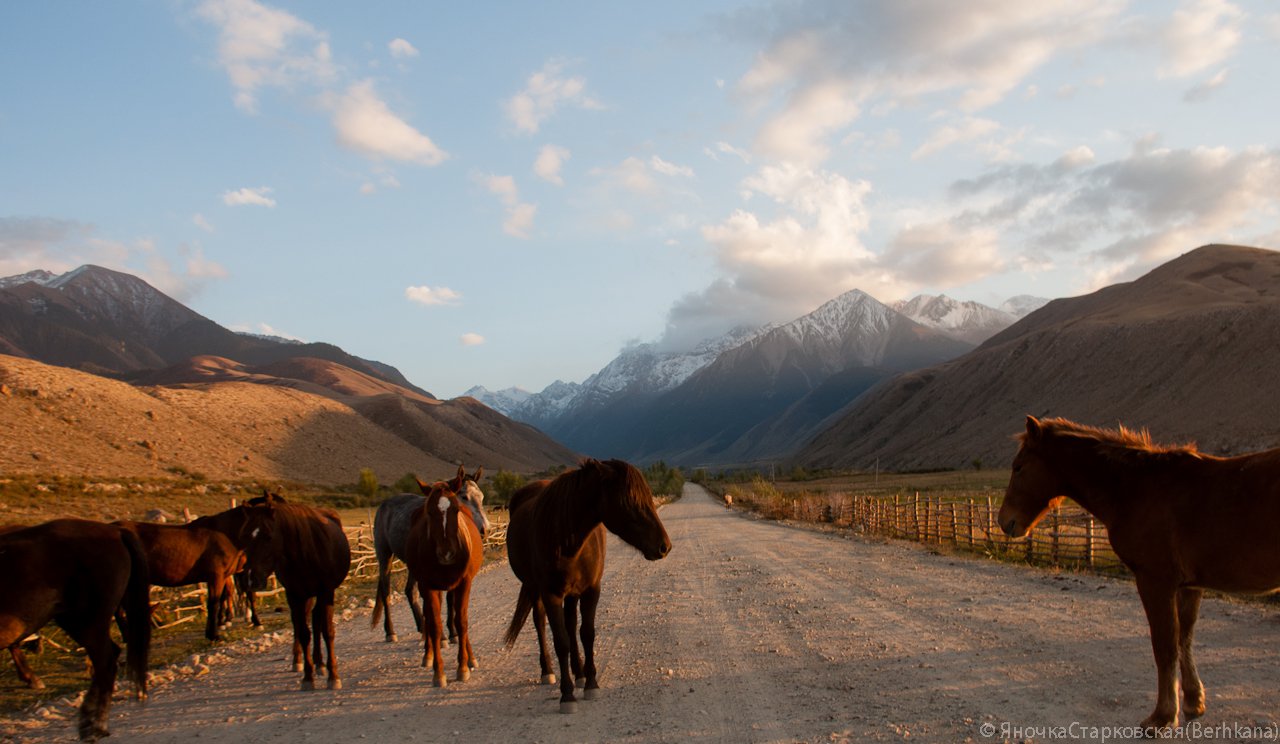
x=1068 y=537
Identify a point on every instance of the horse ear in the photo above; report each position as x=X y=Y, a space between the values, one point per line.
x=1034 y=429
x=462 y=475
x=479 y=474
x=426 y=490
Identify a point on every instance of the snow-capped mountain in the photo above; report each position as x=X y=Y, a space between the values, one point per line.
x=1023 y=305
x=965 y=320
x=39 y=276
x=503 y=401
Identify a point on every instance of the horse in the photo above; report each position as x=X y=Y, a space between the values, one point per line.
x=183 y=554
x=391 y=527
x=231 y=523
x=443 y=553
x=76 y=573
x=1182 y=521
x=556 y=548
x=25 y=674
x=311 y=556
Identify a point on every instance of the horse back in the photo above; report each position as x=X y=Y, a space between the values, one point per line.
x=391 y=524
x=315 y=552
x=178 y=555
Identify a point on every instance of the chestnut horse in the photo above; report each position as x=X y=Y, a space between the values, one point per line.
x=181 y=554
x=76 y=573
x=1181 y=520
x=443 y=553
x=556 y=547
x=310 y=555
x=231 y=523
x=391 y=527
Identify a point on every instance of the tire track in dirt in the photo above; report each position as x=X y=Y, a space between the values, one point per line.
x=751 y=631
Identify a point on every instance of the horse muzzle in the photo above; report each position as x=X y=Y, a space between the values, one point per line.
x=655 y=554
x=1010 y=528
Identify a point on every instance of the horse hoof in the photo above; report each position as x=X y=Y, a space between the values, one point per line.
x=36 y=684
x=391 y=638
x=568 y=706
x=472 y=663
x=297 y=667
x=464 y=674
x=580 y=683
x=441 y=682
x=591 y=693
x=308 y=684
x=548 y=679
x=335 y=684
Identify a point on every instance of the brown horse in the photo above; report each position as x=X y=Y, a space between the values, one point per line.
x=1181 y=520
x=310 y=555
x=391 y=528
x=443 y=553
x=231 y=523
x=25 y=674
x=556 y=546
x=76 y=573
x=183 y=554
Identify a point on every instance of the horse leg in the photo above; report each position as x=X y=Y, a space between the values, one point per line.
x=410 y=587
x=103 y=655
x=1159 y=599
x=451 y=622
x=382 y=600
x=571 y=628
x=323 y=627
x=299 y=609
x=24 y=671
x=560 y=637
x=432 y=633
x=1192 y=687
x=463 y=622
x=544 y=659
x=213 y=607
x=588 y=603
x=454 y=601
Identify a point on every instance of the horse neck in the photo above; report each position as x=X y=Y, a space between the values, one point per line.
x=575 y=517
x=1092 y=479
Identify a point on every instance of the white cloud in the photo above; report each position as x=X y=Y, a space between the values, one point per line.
x=725 y=147
x=199 y=221
x=545 y=91
x=824 y=63
x=199 y=267
x=401 y=49
x=967 y=130
x=669 y=169
x=1203 y=90
x=471 y=339
x=260 y=46
x=249 y=197
x=518 y=221
x=432 y=295
x=549 y=162
x=1201 y=34
x=365 y=125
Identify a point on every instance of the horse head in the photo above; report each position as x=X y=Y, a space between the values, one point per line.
x=441 y=513
x=1034 y=485
x=258 y=535
x=627 y=508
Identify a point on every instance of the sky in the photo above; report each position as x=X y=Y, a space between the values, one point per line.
x=507 y=194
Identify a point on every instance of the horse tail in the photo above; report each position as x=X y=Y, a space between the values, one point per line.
x=137 y=609
x=524 y=605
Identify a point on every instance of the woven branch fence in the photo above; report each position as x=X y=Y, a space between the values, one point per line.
x=1068 y=537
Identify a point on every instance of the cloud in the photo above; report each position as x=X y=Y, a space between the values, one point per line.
x=471 y=339
x=199 y=221
x=967 y=130
x=401 y=49
x=546 y=91
x=1200 y=35
x=669 y=169
x=260 y=47
x=518 y=222
x=60 y=245
x=432 y=295
x=365 y=124
x=725 y=147
x=1203 y=90
x=549 y=162
x=249 y=197
x=824 y=63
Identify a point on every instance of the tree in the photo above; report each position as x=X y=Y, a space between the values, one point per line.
x=503 y=484
x=408 y=483
x=367 y=484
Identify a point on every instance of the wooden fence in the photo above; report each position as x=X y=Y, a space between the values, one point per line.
x=1068 y=537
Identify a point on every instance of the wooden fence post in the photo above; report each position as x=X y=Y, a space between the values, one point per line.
x=1088 y=543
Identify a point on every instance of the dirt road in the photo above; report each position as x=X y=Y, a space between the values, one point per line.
x=751 y=631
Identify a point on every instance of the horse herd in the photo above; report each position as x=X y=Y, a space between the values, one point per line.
x=1180 y=520
x=85 y=575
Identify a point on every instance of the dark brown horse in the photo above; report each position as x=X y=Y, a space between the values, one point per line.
x=556 y=547
x=231 y=523
x=181 y=554
x=310 y=555
x=25 y=674
x=1181 y=520
x=76 y=573
x=443 y=553
x=390 y=529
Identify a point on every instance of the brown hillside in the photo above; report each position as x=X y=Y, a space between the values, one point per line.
x=58 y=420
x=1189 y=351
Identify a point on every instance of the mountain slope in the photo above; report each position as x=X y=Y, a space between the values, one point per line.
x=1188 y=350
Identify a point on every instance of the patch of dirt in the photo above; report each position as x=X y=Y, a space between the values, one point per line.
x=750 y=631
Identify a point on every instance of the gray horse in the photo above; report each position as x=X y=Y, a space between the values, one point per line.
x=390 y=529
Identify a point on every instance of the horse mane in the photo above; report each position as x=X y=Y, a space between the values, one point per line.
x=1121 y=444
x=573 y=492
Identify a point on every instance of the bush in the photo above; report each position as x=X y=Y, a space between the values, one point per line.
x=367 y=483
x=664 y=480
x=502 y=485
x=408 y=483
